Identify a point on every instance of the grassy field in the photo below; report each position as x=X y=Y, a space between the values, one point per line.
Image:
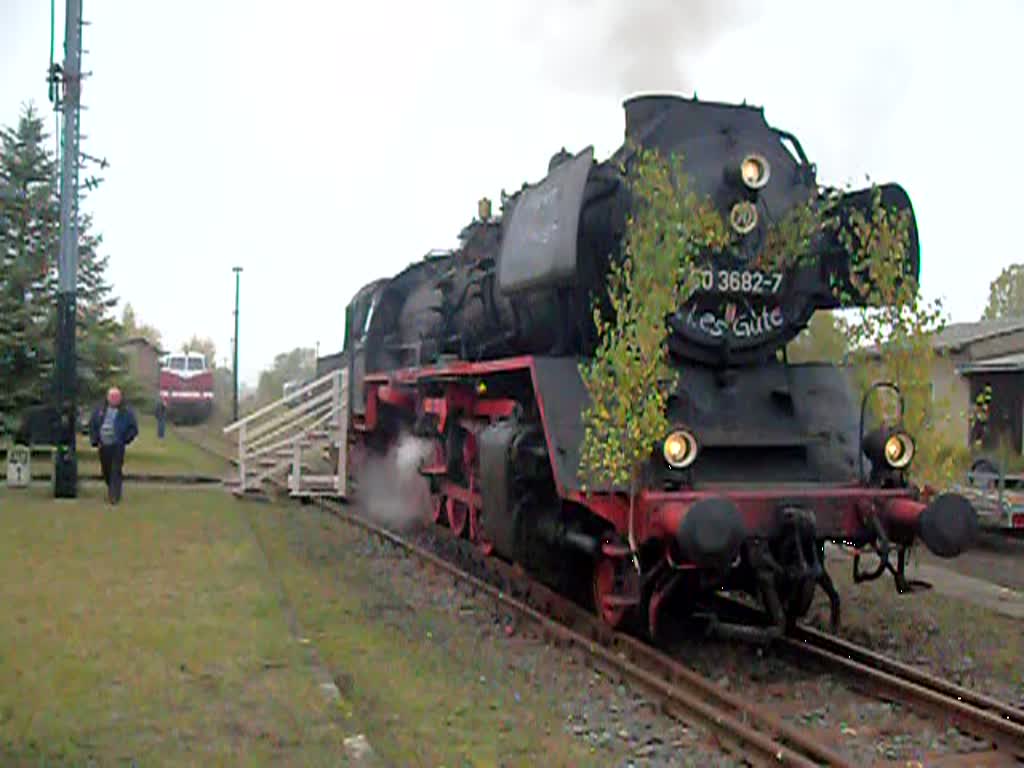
x=155 y=632
x=151 y=632
x=147 y=455
x=427 y=693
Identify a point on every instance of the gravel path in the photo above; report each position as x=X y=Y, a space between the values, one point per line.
x=997 y=558
x=619 y=727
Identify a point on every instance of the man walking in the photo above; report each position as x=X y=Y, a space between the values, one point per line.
x=111 y=428
x=161 y=418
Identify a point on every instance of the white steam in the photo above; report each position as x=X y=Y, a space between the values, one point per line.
x=627 y=47
x=391 y=490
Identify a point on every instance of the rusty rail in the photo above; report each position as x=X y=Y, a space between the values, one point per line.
x=972 y=712
x=747 y=730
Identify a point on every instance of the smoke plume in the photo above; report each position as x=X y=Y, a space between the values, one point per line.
x=634 y=46
x=390 y=488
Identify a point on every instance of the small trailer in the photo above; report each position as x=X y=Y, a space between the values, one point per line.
x=997 y=496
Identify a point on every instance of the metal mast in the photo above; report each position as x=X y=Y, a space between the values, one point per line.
x=234 y=365
x=65 y=475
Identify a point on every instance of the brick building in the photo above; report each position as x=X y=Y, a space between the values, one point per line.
x=971 y=356
x=143 y=361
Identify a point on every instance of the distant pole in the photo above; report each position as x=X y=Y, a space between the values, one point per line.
x=65 y=472
x=234 y=367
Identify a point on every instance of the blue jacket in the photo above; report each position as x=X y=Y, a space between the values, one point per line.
x=125 y=425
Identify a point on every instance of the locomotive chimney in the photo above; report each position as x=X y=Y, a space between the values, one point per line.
x=642 y=110
x=665 y=120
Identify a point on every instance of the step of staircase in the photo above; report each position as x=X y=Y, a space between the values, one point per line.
x=316 y=485
x=251 y=491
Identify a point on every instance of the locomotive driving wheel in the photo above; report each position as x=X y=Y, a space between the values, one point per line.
x=615 y=585
x=437 y=499
x=458 y=517
x=796 y=598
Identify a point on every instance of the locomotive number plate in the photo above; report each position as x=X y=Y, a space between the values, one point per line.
x=750 y=281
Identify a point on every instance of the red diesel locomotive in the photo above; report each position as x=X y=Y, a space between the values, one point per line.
x=186 y=387
x=477 y=351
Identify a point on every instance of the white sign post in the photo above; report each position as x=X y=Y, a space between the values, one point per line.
x=19 y=466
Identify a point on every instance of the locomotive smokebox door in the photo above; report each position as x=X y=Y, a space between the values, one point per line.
x=19 y=466
x=539 y=247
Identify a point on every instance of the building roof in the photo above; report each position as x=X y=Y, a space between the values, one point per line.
x=959 y=335
x=137 y=340
x=955 y=336
x=1002 y=364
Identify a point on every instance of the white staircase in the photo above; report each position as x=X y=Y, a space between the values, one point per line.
x=301 y=439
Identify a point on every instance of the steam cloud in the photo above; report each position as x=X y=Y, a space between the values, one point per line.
x=639 y=45
x=391 y=490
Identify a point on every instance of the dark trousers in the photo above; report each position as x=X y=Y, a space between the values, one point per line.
x=111 y=461
x=160 y=426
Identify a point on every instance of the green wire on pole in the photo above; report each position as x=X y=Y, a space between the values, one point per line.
x=53 y=23
x=51 y=83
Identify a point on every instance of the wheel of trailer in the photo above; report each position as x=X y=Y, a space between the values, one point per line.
x=458 y=517
x=983 y=474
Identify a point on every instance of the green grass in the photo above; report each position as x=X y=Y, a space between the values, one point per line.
x=154 y=631
x=170 y=456
x=151 y=631
x=427 y=693
x=211 y=434
x=147 y=455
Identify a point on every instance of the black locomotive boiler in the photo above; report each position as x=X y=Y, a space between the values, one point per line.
x=477 y=350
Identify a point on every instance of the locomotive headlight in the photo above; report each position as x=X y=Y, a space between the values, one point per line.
x=889 y=447
x=755 y=170
x=680 y=449
x=899 y=450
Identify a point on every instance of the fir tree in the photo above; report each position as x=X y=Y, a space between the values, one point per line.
x=29 y=241
x=100 y=361
x=29 y=247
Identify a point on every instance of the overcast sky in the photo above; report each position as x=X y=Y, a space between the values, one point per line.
x=323 y=144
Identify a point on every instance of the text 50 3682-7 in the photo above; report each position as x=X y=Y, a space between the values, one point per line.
x=749 y=281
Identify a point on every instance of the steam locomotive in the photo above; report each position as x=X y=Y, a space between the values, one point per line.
x=477 y=350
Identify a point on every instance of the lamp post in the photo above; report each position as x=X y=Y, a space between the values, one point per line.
x=234 y=367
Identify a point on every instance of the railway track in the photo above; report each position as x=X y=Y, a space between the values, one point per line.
x=969 y=711
x=744 y=727
x=981 y=716
x=758 y=736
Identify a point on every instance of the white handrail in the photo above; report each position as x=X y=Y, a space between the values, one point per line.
x=265 y=436
x=290 y=414
x=277 y=403
x=263 y=450
x=321 y=419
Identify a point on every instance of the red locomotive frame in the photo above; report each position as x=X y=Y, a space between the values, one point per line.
x=855 y=512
